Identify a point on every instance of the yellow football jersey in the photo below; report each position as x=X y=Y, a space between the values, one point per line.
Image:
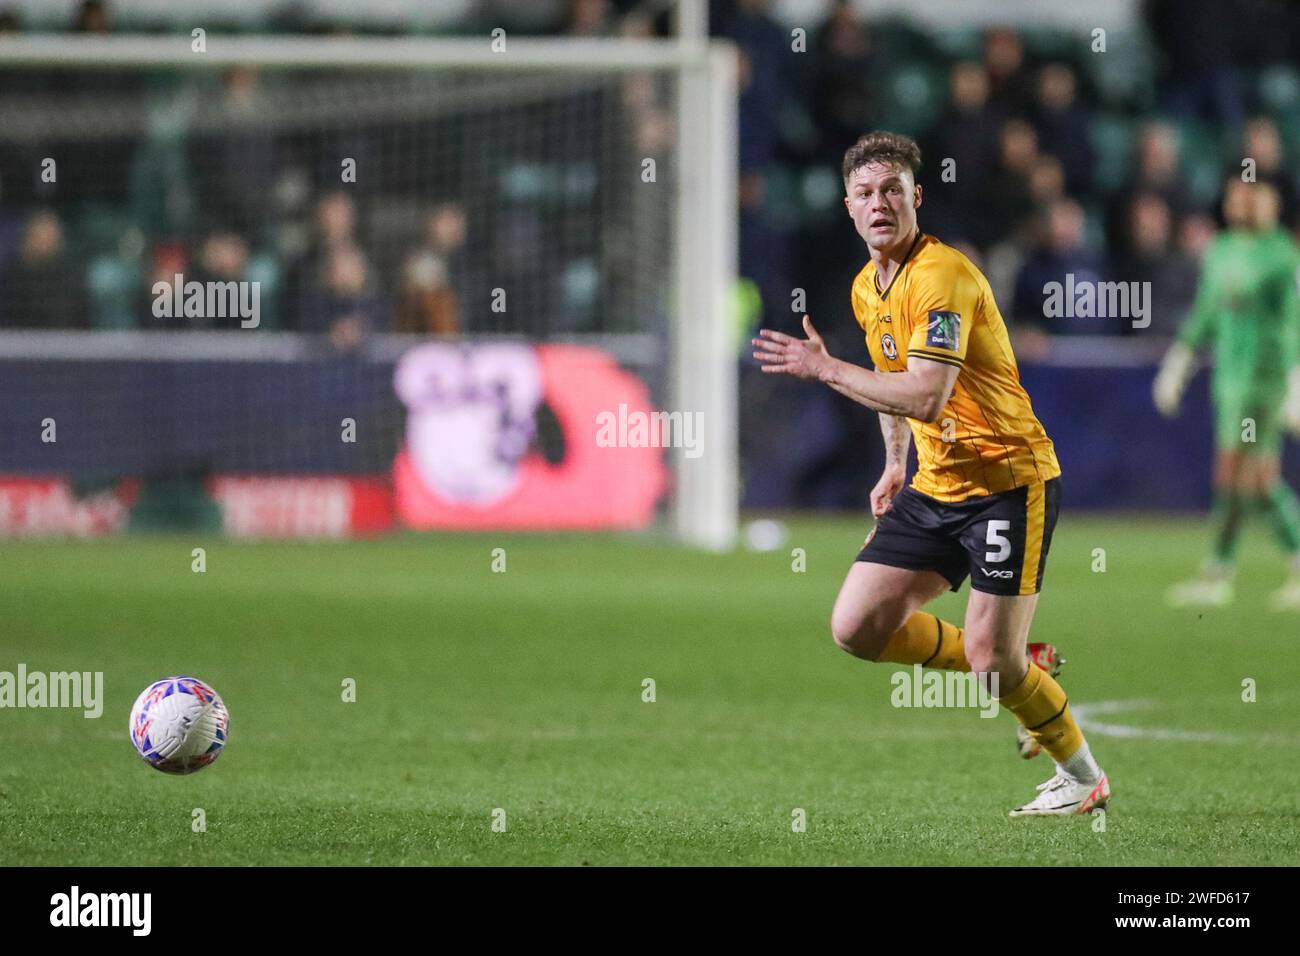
x=939 y=306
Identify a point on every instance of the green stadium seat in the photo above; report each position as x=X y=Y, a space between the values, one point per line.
x=960 y=43
x=1094 y=225
x=784 y=202
x=264 y=269
x=96 y=228
x=1203 y=158
x=581 y=288
x=1123 y=76
x=1049 y=43
x=1113 y=137
x=914 y=98
x=1278 y=87
x=114 y=285
x=822 y=192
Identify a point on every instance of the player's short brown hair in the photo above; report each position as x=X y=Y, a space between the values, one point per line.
x=882 y=146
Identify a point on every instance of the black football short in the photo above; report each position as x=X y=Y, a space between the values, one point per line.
x=1000 y=540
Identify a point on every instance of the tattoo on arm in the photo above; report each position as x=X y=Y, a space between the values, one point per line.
x=898 y=436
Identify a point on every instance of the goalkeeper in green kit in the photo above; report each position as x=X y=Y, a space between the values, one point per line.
x=1248 y=305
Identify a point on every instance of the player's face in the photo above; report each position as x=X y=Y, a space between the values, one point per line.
x=882 y=202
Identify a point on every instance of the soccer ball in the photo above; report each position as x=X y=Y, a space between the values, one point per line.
x=179 y=724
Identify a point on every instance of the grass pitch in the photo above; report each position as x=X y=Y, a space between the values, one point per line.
x=523 y=691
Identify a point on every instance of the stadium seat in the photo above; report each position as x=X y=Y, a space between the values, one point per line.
x=1042 y=43
x=264 y=269
x=1203 y=159
x=1123 y=75
x=1278 y=87
x=960 y=43
x=1112 y=140
x=99 y=228
x=915 y=97
x=114 y=285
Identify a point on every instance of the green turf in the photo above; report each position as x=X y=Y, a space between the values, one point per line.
x=479 y=690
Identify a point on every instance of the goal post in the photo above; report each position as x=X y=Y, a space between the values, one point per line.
x=681 y=295
x=705 y=357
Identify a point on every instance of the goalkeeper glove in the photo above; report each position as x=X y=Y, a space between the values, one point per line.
x=1291 y=406
x=1175 y=370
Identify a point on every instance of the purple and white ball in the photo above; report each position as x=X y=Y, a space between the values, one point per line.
x=179 y=725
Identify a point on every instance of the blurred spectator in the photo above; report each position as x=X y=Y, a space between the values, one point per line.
x=96 y=166
x=167 y=260
x=967 y=134
x=1059 y=254
x=334 y=226
x=39 y=287
x=843 y=97
x=1156 y=171
x=427 y=299
x=1150 y=255
x=1063 y=126
x=763 y=254
x=764 y=79
x=343 y=303
x=1198 y=40
x=92 y=17
x=590 y=18
x=1263 y=144
x=1157 y=164
x=446 y=234
x=1046 y=181
x=232 y=158
x=1195 y=232
x=1010 y=89
x=427 y=303
x=223 y=257
x=765 y=85
x=1006 y=199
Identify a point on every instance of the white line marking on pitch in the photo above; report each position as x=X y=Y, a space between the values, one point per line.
x=1084 y=714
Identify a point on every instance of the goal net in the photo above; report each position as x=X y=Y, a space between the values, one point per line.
x=333 y=286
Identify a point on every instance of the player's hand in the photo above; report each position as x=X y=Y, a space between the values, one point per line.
x=1175 y=370
x=802 y=358
x=889 y=485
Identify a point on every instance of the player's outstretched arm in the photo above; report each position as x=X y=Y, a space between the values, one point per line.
x=920 y=392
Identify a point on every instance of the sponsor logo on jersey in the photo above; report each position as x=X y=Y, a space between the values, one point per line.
x=943 y=330
x=1000 y=575
x=887 y=343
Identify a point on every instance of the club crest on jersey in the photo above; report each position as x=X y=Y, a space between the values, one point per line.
x=887 y=343
x=943 y=330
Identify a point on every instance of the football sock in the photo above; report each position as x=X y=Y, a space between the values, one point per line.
x=1040 y=704
x=927 y=641
x=1227 y=513
x=1080 y=765
x=1283 y=511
